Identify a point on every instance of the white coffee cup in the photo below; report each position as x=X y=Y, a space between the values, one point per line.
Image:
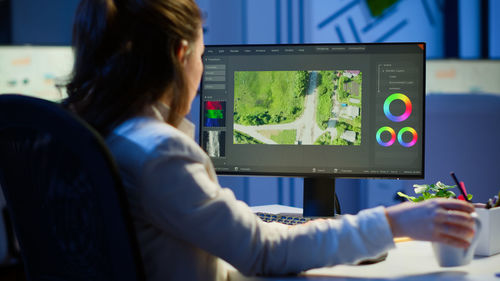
x=448 y=256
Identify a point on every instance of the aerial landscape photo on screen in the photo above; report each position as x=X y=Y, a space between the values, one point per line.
x=297 y=107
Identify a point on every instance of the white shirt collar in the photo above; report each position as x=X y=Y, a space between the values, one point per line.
x=161 y=113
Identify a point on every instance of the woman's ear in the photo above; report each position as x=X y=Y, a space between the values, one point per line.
x=182 y=51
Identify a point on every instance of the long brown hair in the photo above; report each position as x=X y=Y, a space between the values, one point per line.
x=125 y=58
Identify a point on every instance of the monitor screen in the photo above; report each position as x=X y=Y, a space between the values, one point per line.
x=315 y=110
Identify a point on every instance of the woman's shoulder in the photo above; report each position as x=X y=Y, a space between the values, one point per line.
x=153 y=136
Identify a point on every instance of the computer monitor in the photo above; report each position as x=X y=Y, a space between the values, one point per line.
x=39 y=71
x=317 y=111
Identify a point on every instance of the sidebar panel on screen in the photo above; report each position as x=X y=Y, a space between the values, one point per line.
x=399 y=113
x=214 y=108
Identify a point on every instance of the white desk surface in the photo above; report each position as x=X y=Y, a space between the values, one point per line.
x=409 y=261
x=277 y=209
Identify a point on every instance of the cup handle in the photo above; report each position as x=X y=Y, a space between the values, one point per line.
x=475 y=239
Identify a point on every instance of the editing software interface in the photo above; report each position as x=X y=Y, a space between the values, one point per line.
x=348 y=110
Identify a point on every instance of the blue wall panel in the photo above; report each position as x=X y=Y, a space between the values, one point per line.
x=469 y=29
x=494 y=29
x=42 y=22
x=351 y=21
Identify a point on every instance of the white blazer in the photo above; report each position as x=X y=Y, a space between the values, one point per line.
x=186 y=222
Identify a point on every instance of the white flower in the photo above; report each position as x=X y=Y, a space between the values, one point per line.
x=420 y=188
x=440 y=185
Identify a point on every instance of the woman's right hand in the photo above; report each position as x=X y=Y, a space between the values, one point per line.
x=437 y=220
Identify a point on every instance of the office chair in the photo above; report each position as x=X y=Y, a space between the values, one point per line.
x=64 y=195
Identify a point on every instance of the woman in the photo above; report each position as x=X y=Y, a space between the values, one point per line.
x=138 y=65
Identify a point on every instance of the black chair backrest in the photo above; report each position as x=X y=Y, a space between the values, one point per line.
x=64 y=194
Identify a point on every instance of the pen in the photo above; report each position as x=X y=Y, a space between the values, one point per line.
x=460 y=187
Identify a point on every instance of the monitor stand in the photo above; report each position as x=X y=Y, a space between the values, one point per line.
x=320 y=199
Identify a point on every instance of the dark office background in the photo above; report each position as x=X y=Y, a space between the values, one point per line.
x=456 y=29
x=452 y=28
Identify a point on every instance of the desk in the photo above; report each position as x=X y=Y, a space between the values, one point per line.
x=409 y=261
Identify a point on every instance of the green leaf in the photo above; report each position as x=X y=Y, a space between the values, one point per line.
x=441 y=193
x=434 y=188
x=419 y=199
x=441 y=185
x=427 y=195
x=410 y=198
